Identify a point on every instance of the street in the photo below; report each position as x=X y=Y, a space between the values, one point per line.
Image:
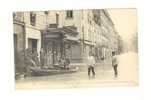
x=127 y=75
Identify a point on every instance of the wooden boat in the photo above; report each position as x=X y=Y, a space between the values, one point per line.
x=37 y=71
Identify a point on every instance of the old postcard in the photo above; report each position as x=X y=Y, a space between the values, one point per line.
x=75 y=48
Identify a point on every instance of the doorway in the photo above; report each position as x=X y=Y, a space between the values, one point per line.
x=32 y=44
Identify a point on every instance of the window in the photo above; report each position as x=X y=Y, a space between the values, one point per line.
x=32 y=18
x=32 y=44
x=18 y=16
x=57 y=19
x=69 y=14
x=46 y=12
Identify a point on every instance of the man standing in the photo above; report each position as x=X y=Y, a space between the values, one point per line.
x=42 y=57
x=91 y=64
x=50 y=59
x=114 y=63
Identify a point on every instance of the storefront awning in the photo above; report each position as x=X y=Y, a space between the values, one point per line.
x=61 y=33
x=89 y=43
x=71 y=38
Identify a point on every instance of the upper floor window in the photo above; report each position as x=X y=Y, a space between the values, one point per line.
x=32 y=18
x=46 y=12
x=69 y=14
x=18 y=16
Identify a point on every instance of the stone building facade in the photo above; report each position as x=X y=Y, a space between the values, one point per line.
x=19 y=37
x=33 y=23
x=69 y=33
x=96 y=32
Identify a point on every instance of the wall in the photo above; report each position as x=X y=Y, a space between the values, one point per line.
x=19 y=31
x=34 y=32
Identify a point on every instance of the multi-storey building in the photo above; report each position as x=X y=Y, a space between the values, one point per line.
x=30 y=32
x=70 y=33
x=61 y=35
x=98 y=33
x=27 y=35
x=109 y=38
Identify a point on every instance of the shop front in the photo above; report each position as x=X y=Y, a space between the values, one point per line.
x=60 y=43
x=88 y=47
x=72 y=48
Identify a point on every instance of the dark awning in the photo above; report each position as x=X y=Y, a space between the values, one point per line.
x=65 y=33
x=71 y=39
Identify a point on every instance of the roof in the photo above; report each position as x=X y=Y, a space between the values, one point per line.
x=107 y=15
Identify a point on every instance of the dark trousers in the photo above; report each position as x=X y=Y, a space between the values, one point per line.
x=115 y=69
x=91 y=69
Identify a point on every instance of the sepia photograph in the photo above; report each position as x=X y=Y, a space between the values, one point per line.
x=75 y=48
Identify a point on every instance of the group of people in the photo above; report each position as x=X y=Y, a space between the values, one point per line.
x=64 y=63
x=91 y=63
x=31 y=57
x=45 y=59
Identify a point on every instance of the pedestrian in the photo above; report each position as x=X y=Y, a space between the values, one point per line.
x=45 y=58
x=42 y=57
x=35 y=56
x=91 y=64
x=50 y=59
x=63 y=62
x=114 y=63
x=67 y=63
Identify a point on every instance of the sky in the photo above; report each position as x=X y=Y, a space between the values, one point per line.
x=125 y=21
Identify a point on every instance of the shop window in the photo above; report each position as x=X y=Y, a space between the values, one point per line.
x=69 y=14
x=32 y=18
